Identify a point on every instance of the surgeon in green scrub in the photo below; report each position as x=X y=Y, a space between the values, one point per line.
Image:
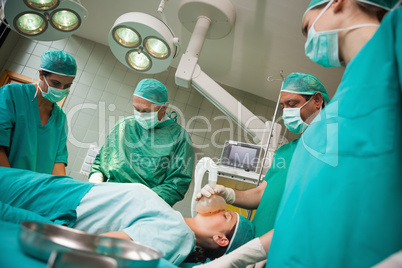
x=148 y=148
x=302 y=98
x=342 y=205
x=33 y=128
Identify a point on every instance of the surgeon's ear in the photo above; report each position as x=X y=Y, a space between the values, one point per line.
x=318 y=99
x=337 y=5
x=221 y=240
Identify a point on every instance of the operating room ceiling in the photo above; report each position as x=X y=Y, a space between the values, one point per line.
x=265 y=39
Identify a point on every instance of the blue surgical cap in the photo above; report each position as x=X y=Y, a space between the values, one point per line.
x=244 y=232
x=385 y=4
x=58 y=62
x=152 y=90
x=304 y=84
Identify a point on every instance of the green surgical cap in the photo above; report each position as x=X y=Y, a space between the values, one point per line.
x=58 y=62
x=152 y=90
x=385 y=4
x=304 y=84
x=244 y=232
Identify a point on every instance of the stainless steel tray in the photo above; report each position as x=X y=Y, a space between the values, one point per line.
x=41 y=239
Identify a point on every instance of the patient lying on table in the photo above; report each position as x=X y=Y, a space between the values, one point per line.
x=128 y=211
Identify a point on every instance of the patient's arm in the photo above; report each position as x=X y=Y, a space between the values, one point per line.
x=117 y=234
x=59 y=169
x=3 y=157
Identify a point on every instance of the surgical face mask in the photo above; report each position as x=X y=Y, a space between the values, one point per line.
x=292 y=119
x=54 y=94
x=323 y=47
x=147 y=120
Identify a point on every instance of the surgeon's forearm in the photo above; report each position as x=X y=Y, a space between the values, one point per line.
x=59 y=169
x=117 y=234
x=3 y=157
x=249 y=199
x=266 y=240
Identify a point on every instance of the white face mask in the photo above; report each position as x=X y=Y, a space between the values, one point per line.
x=292 y=119
x=323 y=47
x=54 y=94
x=147 y=120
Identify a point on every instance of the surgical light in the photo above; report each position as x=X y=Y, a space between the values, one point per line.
x=42 y=4
x=45 y=20
x=31 y=23
x=65 y=20
x=139 y=61
x=143 y=43
x=126 y=37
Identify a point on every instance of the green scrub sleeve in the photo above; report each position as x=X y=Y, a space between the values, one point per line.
x=7 y=119
x=96 y=166
x=16 y=215
x=62 y=153
x=178 y=173
x=396 y=19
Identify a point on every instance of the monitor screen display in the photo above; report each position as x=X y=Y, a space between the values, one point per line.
x=241 y=155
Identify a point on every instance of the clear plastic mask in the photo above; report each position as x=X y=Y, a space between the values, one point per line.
x=210 y=205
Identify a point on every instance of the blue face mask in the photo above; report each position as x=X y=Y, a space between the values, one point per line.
x=54 y=94
x=323 y=47
x=292 y=119
x=147 y=120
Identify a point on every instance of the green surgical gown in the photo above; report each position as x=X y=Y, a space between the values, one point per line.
x=265 y=215
x=160 y=158
x=342 y=204
x=29 y=145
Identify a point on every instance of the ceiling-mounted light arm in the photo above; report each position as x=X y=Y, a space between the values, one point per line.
x=161 y=12
x=198 y=37
x=189 y=73
x=214 y=19
x=232 y=108
x=161 y=9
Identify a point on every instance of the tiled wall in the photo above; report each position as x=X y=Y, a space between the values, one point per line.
x=102 y=94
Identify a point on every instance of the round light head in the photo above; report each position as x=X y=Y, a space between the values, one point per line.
x=65 y=20
x=30 y=23
x=151 y=38
x=157 y=47
x=52 y=19
x=138 y=61
x=126 y=36
x=42 y=4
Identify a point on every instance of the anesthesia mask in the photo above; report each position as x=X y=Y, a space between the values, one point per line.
x=210 y=205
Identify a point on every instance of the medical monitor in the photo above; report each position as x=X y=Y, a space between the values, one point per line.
x=240 y=155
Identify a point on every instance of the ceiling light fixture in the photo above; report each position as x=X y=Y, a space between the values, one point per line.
x=44 y=20
x=143 y=43
x=214 y=19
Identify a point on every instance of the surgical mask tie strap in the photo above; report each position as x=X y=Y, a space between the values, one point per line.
x=397 y=5
x=322 y=12
x=342 y=29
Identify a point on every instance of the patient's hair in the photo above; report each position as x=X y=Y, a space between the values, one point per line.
x=202 y=254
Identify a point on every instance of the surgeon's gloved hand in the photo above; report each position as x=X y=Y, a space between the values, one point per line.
x=250 y=253
x=227 y=193
x=96 y=177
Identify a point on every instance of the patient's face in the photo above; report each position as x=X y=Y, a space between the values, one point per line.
x=222 y=221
